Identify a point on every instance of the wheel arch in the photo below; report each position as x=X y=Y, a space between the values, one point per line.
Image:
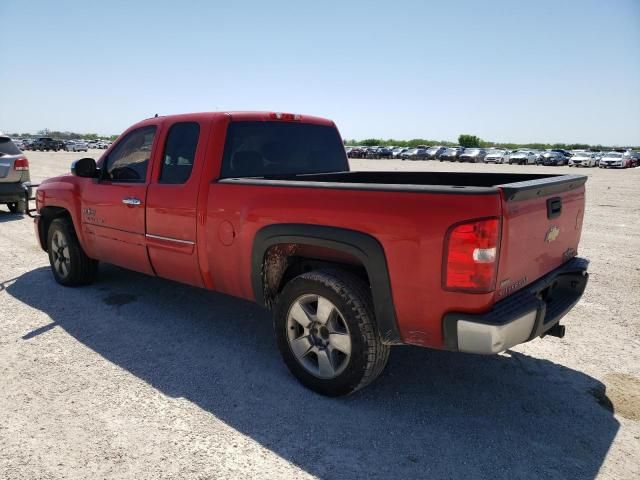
x=47 y=215
x=275 y=245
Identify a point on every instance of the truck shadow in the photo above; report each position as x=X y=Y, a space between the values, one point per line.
x=431 y=414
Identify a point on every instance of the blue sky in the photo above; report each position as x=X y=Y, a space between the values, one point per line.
x=553 y=71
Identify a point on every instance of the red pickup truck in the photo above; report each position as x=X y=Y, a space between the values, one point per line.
x=263 y=206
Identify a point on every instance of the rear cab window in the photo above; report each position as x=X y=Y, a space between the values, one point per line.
x=261 y=149
x=179 y=153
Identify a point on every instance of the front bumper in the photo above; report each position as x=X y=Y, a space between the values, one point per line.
x=523 y=316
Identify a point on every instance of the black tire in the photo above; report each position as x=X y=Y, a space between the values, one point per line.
x=80 y=269
x=19 y=207
x=352 y=298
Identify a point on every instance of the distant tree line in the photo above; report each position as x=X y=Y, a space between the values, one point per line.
x=63 y=135
x=466 y=141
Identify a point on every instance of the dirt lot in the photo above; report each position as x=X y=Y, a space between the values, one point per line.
x=136 y=377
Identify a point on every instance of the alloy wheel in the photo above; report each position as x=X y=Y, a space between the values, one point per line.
x=318 y=336
x=60 y=254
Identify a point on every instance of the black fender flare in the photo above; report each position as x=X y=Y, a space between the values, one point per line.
x=360 y=245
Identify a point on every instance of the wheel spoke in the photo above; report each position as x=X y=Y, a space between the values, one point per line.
x=316 y=331
x=63 y=269
x=325 y=308
x=54 y=240
x=341 y=342
x=300 y=315
x=325 y=365
x=301 y=346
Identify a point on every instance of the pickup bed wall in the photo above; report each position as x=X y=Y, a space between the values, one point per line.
x=412 y=242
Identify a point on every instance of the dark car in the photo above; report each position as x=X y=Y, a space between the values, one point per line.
x=418 y=154
x=14 y=172
x=473 y=155
x=384 y=152
x=27 y=144
x=371 y=152
x=356 y=152
x=451 y=154
x=555 y=158
x=44 y=144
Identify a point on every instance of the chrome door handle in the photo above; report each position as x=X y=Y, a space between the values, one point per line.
x=131 y=201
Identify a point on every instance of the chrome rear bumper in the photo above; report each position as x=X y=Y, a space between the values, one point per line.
x=523 y=316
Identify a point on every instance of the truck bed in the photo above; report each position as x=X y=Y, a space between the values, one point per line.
x=410 y=213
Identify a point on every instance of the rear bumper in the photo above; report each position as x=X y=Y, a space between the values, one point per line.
x=523 y=316
x=11 y=192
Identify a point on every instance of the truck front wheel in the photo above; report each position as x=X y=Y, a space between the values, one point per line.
x=69 y=264
x=325 y=329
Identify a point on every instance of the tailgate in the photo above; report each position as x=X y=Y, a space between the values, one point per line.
x=541 y=227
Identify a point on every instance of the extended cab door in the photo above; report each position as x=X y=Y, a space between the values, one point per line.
x=113 y=208
x=172 y=200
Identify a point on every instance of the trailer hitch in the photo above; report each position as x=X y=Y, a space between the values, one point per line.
x=28 y=190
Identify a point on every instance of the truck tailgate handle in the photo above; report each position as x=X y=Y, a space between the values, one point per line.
x=131 y=201
x=554 y=207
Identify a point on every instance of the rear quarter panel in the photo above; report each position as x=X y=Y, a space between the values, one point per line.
x=410 y=227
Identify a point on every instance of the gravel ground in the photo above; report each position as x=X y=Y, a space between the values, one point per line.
x=137 y=377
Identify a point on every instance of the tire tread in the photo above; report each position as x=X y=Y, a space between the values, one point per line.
x=357 y=296
x=84 y=269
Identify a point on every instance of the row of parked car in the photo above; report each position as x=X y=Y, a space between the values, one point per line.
x=554 y=157
x=45 y=144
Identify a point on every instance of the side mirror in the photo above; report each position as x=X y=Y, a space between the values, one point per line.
x=85 y=167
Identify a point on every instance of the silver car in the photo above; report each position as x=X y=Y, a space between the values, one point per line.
x=14 y=172
x=397 y=152
x=496 y=156
x=522 y=157
x=583 y=159
x=77 y=146
x=614 y=160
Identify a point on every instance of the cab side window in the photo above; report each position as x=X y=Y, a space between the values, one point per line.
x=179 y=152
x=129 y=160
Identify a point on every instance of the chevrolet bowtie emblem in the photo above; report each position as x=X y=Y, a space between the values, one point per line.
x=552 y=234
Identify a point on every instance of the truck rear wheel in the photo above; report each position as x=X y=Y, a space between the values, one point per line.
x=69 y=264
x=325 y=329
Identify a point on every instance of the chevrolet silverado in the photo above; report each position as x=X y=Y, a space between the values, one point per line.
x=263 y=206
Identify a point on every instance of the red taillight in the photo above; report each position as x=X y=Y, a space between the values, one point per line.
x=287 y=117
x=39 y=199
x=471 y=256
x=21 y=164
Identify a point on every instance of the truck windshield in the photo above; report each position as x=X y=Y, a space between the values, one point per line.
x=258 y=149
